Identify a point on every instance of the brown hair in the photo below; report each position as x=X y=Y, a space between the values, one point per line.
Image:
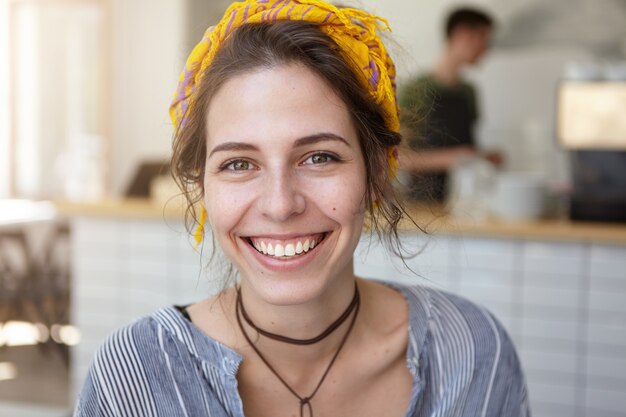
x=467 y=16
x=264 y=45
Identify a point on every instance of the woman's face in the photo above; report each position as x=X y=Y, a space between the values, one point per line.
x=284 y=183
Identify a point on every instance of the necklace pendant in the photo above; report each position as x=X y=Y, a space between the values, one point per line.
x=306 y=409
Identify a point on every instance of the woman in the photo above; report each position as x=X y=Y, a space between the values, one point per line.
x=286 y=132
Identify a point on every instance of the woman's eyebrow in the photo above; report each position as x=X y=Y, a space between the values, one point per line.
x=304 y=141
x=319 y=137
x=233 y=146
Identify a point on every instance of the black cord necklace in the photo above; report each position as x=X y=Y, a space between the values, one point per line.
x=305 y=402
x=333 y=326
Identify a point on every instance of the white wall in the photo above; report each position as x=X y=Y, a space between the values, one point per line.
x=148 y=54
x=4 y=102
x=518 y=94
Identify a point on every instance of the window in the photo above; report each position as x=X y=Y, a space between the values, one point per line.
x=55 y=144
x=4 y=101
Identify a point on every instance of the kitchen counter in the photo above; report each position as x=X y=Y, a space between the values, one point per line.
x=129 y=208
x=434 y=220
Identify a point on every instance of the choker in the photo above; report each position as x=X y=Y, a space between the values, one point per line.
x=333 y=326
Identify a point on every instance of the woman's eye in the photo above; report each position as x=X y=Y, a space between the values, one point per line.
x=319 y=158
x=238 y=165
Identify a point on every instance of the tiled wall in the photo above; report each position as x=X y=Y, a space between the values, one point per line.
x=123 y=270
x=564 y=304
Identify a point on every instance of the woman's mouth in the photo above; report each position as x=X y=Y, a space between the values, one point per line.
x=286 y=248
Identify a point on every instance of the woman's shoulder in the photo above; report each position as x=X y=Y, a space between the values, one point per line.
x=131 y=344
x=166 y=334
x=140 y=330
x=453 y=322
x=118 y=372
x=152 y=363
x=149 y=335
x=465 y=349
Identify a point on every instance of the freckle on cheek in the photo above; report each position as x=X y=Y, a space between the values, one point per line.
x=334 y=208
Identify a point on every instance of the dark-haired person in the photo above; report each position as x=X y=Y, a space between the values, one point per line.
x=440 y=108
x=286 y=128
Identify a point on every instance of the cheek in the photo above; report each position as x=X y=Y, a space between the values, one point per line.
x=225 y=205
x=343 y=197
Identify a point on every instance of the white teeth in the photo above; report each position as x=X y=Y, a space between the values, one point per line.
x=287 y=250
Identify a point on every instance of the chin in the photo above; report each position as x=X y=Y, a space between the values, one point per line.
x=281 y=292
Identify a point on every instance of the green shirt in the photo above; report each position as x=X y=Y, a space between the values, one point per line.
x=437 y=116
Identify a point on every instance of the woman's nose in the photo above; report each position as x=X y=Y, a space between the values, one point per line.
x=281 y=197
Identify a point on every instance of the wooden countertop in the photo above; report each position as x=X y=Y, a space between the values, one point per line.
x=434 y=220
x=133 y=208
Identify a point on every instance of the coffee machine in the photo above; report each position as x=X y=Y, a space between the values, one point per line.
x=592 y=126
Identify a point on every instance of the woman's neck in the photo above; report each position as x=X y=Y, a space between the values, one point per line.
x=302 y=321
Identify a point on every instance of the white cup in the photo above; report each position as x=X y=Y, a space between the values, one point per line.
x=518 y=196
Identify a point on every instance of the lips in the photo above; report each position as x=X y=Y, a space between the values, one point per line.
x=285 y=248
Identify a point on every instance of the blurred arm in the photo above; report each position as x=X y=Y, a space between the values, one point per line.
x=432 y=160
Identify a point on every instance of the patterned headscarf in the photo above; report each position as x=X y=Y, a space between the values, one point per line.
x=353 y=30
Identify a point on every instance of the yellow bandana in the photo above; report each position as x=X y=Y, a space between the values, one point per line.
x=353 y=30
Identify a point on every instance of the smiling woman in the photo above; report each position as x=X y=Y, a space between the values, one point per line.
x=286 y=131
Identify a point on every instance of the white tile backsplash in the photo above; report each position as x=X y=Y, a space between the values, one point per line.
x=605 y=402
x=565 y=362
x=564 y=297
x=547 y=329
x=607 y=301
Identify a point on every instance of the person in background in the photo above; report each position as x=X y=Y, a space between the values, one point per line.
x=440 y=108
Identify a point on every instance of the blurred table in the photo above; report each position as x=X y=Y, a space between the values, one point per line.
x=19 y=222
x=15 y=213
x=34 y=264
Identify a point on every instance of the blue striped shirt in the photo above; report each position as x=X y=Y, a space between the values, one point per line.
x=462 y=361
